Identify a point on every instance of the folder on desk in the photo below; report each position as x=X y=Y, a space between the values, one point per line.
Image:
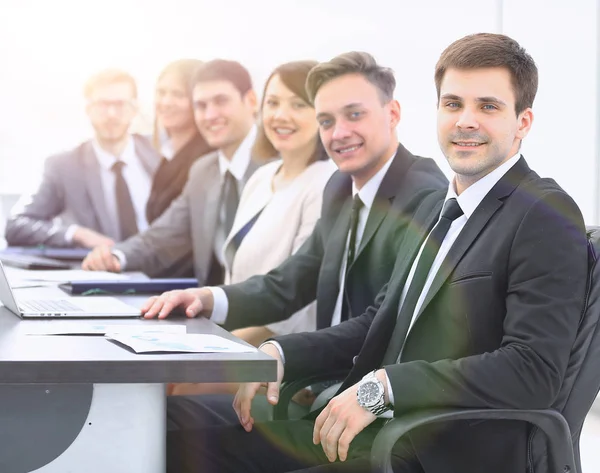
x=135 y=286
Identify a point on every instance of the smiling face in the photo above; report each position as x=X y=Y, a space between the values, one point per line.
x=223 y=115
x=478 y=129
x=357 y=129
x=289 y=122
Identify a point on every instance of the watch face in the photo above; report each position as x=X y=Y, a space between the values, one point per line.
x=369 y=393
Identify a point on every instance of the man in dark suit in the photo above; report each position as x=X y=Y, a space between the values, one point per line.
x=96 y=193
x=353 y=98
x=481 y=310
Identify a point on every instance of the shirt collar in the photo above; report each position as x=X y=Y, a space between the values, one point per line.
x=240 y=159
x=106 y=159
x=472 y=196
x=368 y=192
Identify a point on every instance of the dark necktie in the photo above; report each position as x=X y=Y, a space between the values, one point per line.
x=450 y=212
x=230 y=201
x=356 y=206
x=125 y=210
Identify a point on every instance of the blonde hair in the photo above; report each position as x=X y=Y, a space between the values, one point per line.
x=108 y=77
x=185 y=70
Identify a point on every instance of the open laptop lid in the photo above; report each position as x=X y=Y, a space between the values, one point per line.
x=7 y=297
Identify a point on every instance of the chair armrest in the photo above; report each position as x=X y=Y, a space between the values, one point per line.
x=289 y=388
x=551 y=422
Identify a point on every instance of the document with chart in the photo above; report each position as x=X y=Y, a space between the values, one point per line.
x=179 y=343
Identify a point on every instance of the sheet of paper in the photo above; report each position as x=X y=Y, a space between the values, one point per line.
x=24 y=283
x=86 y=328
x=21 y=276
x=177 y=343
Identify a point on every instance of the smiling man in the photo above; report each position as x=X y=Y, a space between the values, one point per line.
x=481 y=310
x=196 y=223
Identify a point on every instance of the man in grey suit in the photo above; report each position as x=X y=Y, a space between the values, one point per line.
x=194 y=227
x=96 y=193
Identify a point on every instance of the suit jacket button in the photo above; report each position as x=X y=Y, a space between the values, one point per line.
x=354 y=360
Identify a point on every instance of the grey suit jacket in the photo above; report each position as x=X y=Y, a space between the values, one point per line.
x=70 y=193
x=185 y=230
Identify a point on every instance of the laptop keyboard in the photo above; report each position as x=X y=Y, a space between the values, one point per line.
x=49 y=306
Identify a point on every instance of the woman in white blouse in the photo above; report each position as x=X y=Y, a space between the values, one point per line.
x=281 y=202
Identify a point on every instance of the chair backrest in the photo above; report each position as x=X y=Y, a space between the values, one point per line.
x=582 y=379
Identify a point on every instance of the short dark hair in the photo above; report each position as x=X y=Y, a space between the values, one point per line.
x=354 y=62
x=492 y=50
x=221 y=69
x=108 y=77
x=293 y=75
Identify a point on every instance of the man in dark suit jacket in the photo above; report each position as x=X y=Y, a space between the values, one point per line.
x=481 y=310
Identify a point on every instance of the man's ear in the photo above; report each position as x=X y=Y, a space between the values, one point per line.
x=251 y=99
x=395 y=113
x=525 y=120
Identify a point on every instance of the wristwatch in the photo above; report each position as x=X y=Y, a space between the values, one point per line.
x=371 y=394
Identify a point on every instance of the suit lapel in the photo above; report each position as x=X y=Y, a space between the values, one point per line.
x=491 y=203
x=377 y=213
x=253 y=165
x=93 y=184
x=385 y=195
x=146 y=153
x=334 y=253
x=339 y=236
x=212 y=201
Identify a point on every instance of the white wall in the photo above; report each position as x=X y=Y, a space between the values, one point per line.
x=48 y=49
x=562 y=37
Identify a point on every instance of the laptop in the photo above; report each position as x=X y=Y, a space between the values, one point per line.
x=97 y=306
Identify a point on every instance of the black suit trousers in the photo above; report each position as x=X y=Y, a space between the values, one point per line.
x=272 y=447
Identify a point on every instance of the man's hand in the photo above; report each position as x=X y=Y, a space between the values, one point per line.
x=90 y=239
x=192 y=301
x=247 y=391
x=101 y=259
x=341 y=421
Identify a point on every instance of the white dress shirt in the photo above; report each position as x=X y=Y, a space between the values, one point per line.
x=468 y=200
x=139 y=183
